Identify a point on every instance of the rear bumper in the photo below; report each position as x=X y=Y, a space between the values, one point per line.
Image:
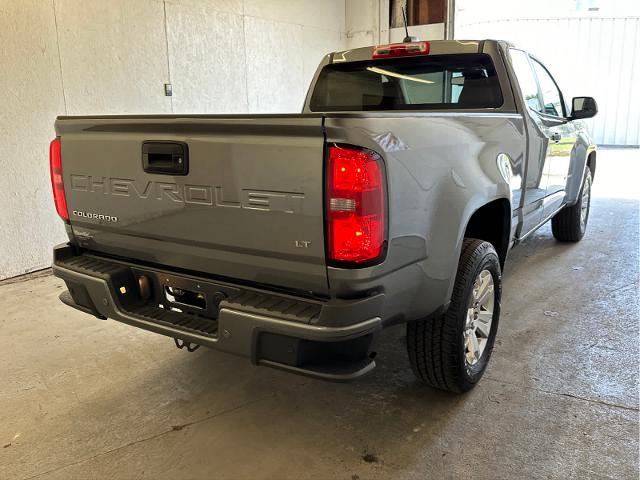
x=330 y=340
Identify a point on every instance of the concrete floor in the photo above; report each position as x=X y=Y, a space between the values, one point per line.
x=81 y=398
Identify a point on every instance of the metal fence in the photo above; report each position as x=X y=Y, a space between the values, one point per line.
x=598 y=57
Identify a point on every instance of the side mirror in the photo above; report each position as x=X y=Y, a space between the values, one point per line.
x=583 y=107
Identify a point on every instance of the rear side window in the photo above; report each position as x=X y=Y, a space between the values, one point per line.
x=410 y=83
x=526 y=79
x=551 y=98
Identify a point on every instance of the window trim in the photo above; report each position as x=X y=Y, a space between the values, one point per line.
x=562 y=101
x=535 y=78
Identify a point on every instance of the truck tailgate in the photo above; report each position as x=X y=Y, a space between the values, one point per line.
x=240 y=197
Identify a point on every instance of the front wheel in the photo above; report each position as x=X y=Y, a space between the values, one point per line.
x=451 y=352
x=570 y=223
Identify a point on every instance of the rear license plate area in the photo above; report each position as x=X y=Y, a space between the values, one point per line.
x=184 y=294
x=185 y=298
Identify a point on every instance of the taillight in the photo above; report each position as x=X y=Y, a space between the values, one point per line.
x=55 y=165
x=355 y=205
x=400 y=50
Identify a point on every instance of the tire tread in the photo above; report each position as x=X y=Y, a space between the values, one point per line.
x=432 y=343
x=565 y=225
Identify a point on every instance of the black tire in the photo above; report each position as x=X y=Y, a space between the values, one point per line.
x=436 y=346
x=567 y=225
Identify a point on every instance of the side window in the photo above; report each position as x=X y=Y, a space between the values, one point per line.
x=551 y=97
x=526 y=79
x=457 y=84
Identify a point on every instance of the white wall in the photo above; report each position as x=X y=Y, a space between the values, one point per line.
x=79 y=57
x=31 y=88
x=433 y=31
x=367 y=22
x=587 y=55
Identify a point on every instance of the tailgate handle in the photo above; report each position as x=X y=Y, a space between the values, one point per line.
x=165 y=158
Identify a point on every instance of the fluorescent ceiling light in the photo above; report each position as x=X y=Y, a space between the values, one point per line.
x=382 y=71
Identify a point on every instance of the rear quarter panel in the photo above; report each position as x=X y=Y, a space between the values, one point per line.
x=441 y=167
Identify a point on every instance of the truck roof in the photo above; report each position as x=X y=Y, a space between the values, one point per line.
x=436 y=47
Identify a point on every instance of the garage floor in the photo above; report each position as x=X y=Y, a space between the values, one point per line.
x=81 y=398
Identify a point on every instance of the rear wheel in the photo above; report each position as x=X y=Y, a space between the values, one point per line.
x=451 y=352
x=570 y=223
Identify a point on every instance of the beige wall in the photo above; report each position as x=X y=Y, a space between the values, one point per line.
x=79 y=57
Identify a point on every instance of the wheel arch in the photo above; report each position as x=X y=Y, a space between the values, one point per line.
x=582 y=157
x=591 y=163
x=491 y=222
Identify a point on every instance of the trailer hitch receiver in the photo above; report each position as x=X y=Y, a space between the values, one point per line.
x=191 y=347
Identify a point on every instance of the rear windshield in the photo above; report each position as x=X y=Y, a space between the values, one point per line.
x=408 y=83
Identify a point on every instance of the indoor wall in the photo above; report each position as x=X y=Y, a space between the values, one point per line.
x=86 y=57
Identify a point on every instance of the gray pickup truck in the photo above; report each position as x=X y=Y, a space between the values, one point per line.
x=295 y=239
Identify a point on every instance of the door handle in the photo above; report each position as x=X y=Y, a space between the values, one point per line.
x=165 y=158
x=556 y=137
